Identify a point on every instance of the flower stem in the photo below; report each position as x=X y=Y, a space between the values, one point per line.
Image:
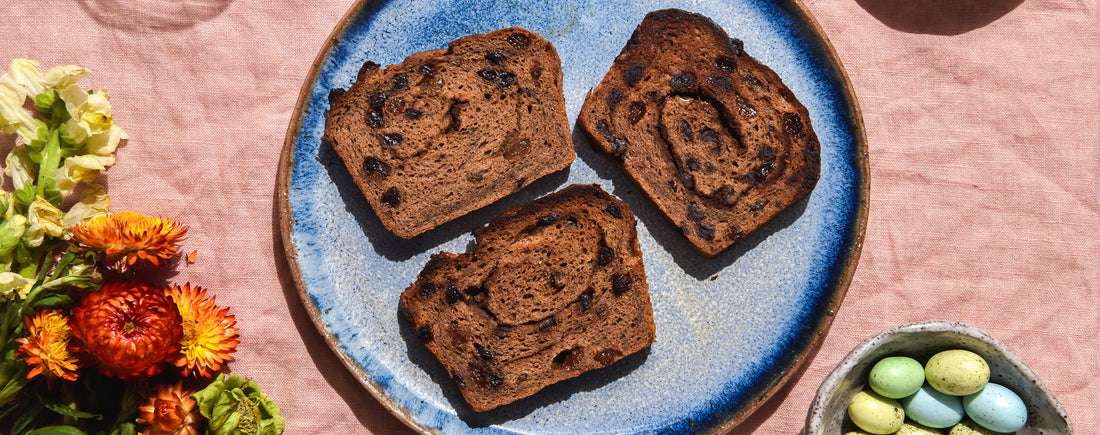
x=51 y=158
x=14 y=386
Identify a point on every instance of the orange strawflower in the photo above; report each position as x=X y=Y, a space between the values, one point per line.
x=130 y=328
x=128 y=237
x=46 y=347
x=209 y=332
x=170 y=411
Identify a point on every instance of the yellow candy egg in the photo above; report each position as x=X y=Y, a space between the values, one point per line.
x=956 y=372
x=968 y=427
x=875 y=414
x=916 y=429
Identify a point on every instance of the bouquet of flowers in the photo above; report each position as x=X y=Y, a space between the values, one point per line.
x=85 y=347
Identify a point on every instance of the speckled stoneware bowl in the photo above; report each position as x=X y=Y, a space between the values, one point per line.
x=730 y=330
x=920 y=341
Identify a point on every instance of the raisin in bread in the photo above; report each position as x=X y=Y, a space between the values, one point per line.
x=713 y=137
x=451 y=130
x=554 y=288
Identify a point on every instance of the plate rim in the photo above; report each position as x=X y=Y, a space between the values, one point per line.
x=859 y=138
x=286 y=218
x=843 y=279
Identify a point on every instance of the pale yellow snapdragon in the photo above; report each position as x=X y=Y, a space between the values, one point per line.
x=93 y=202
x=91 y=123
x=21 y=81
x=13 y=284
x=61 y=77
x=105 y=144
x=24 y=75
x=43 y=220
x=90 y=114
x=19 y=166
x=80 y=169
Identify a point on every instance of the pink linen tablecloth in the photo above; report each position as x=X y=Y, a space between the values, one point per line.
x=983 y=124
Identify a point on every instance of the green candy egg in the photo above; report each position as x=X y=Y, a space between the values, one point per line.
x=896 y=377
x=957 y=372
x=875 y=414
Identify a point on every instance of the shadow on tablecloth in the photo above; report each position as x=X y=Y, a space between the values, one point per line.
x=163 y=15
x=938 y=17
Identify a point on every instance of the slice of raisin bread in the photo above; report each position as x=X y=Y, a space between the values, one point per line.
x=711 y=135
x=451 y=130
x=554 y=288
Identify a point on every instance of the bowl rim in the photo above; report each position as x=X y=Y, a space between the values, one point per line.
x=815 y=418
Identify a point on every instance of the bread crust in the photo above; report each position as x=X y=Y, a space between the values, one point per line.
x=449 y=131
x=712 y=136
x=554 y=288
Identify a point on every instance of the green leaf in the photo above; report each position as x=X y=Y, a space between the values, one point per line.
x=57 y=430
x=50 y=191
x=25 y=419
x=25 y=196
x=35 y=153
x=65 y=135
x=7 y=409
x=25 y=257
x=65 y=410
x=125 y=429
x=53 y=301
x=43 y=102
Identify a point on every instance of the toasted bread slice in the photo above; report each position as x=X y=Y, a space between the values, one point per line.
x=554 y=288
x=451 y=130
x=713 y=137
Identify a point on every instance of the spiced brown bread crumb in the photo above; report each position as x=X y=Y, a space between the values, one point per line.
x=451 y=130
x=712 y=136
x=554 y=288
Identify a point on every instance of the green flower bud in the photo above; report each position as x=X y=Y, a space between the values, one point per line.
x=235 y=405
x=11 y=231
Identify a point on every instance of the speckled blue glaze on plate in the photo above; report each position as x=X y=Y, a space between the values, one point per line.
x=730 y=330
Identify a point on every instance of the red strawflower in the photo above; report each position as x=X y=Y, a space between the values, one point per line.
x=129 y=328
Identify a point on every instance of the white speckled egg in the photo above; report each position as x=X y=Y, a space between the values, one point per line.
x=895 y=377
x=957 y=372
x=908 y=428
x=996 y=408
x=875 y=414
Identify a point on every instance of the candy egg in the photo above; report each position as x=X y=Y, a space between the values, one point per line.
x=933 y=408
x=957 y=372
x=916 y=429
x=969 y=427
x=875 y=414
x=896 y=377
x=996 y=408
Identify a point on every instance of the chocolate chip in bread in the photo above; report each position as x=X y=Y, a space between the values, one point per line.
x=553 y=288
x=712 y=136
x=451 y=130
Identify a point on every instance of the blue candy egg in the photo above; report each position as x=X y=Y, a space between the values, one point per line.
x=996 y=408
x=932 y=408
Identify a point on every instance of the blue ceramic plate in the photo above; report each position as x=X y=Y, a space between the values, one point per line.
x=730 y=330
